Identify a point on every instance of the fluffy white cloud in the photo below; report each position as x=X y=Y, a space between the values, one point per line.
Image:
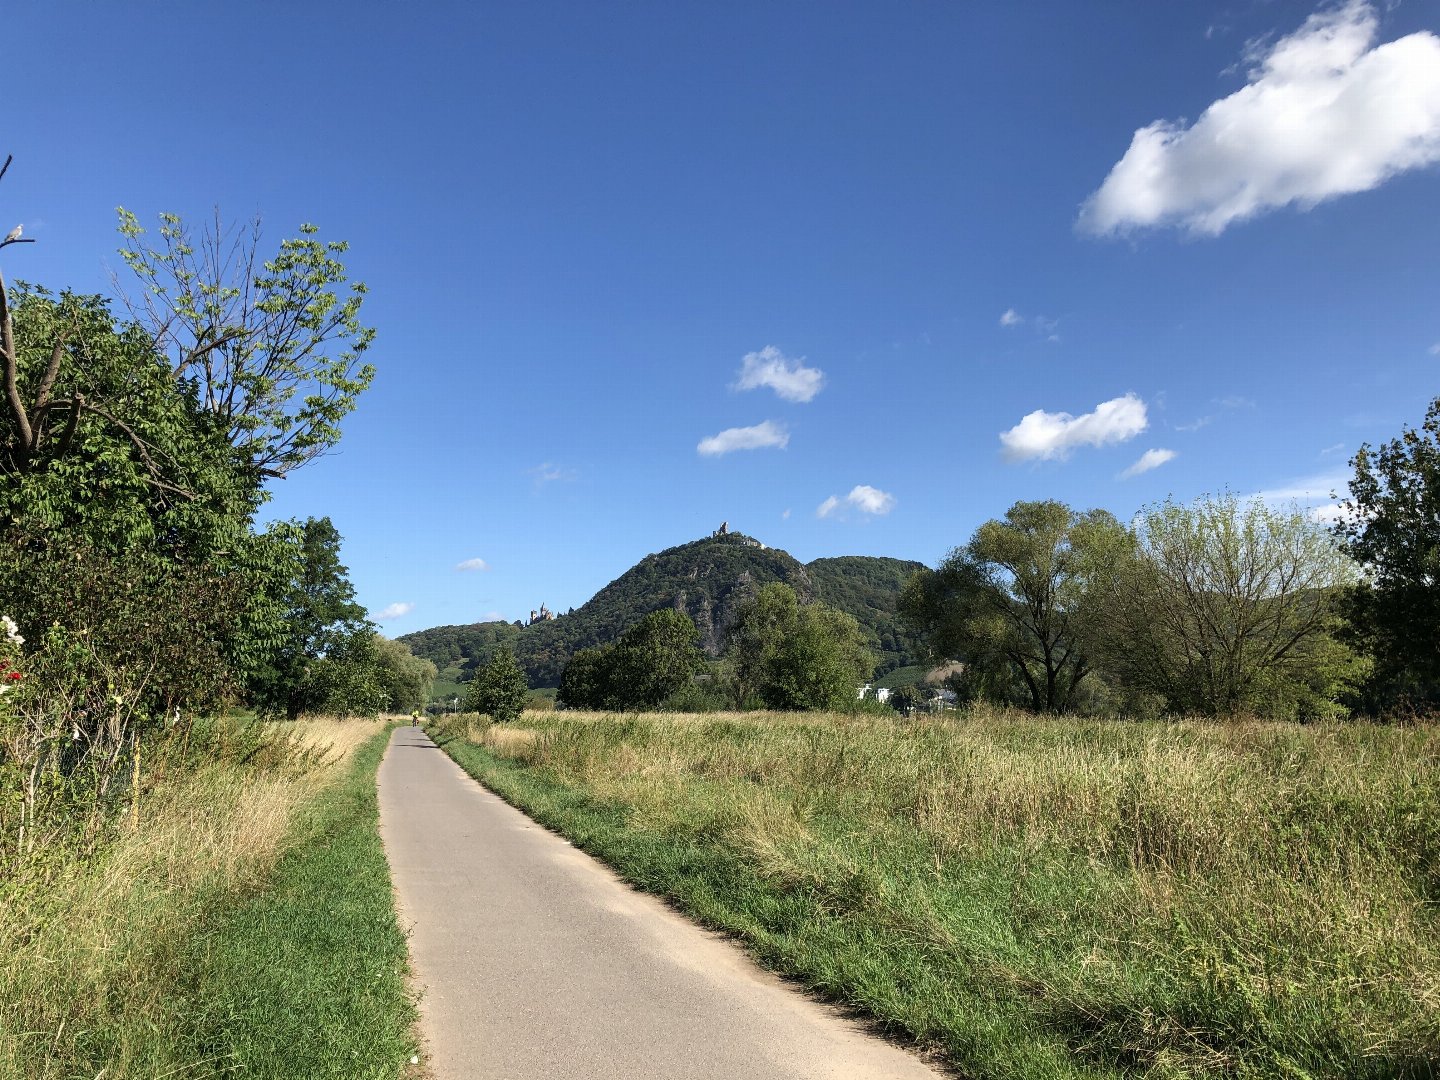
x=1046 y=435
x=759 y=437
x=395 y=611
x=1011 y=318
x=1151 y=459
x=1326 y=113
x=473 y=564
x=862 y=498
x=790 y=379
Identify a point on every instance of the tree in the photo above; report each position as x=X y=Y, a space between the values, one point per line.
x=585 y=682
x=308 y=612
x=266 y=347
x=403 y=677
x=1222 y=607
x=499 y=689
x=653 y=659
x=1392 y=528
x=794 y=656
x=1012 y=602
x=761 y=623
x=820 y=663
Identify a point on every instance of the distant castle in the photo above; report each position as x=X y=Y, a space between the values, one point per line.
x=543 y=615
x=724 y=531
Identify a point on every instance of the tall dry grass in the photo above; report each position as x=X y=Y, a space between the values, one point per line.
x=1174 y=898
x=90 y=937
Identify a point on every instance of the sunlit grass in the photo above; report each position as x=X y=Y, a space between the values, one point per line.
x=134 y=959
x=1038 y=897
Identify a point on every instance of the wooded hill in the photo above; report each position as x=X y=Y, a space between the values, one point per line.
x=707 y=580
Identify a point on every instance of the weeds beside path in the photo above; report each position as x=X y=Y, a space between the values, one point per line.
x=247 y=928
x=1036 y=897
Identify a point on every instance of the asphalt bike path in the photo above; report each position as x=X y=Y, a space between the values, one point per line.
x=536 y=961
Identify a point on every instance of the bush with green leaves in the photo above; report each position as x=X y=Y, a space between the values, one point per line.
x=499 y=689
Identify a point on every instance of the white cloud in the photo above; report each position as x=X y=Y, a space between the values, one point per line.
x=1435 y=349
x=1317 y=495
x=1151 y=459
x=759 y=437
x=473 y=564
x=790 y=379
x=548 y=473
x=1325 y=113
x=1333 y=448
x=397 y=610
x=1194 y=425
x=785 y=516
x=1011 y=318
x=1047 y=435
x=862 y=498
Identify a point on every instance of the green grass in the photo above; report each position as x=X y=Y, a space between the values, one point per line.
x=247 y=929
x=317 y=953
x=1035 y=897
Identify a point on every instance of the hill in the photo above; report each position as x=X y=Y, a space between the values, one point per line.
x=707 y=579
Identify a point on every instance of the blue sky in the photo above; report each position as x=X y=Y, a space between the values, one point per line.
x=960 y=255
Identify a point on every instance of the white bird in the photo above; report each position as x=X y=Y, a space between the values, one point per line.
x=14 y=233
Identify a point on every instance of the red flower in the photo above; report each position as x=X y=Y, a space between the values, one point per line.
x=14 y=676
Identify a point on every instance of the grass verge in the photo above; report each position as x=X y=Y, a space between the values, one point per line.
x=1035 y=897
x=246 y=928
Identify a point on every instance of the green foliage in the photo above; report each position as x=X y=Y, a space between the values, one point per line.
x=310 y=598
x=707 y=580
x=653 y=660
x=1223 y=607
x=499 y=689
x=585 y=682
x=100 y=444
x=404 y=678
x=868 y=587
x=907 y=699
x=1012 y=603
x=267 y=347
x=1392 y=528
x=794 y=656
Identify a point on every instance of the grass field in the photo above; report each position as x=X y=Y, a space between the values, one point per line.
x=1036 y=897
x=244 y=928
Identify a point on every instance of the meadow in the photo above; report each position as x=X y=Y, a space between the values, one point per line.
x=235 y=919
x=1034 y=897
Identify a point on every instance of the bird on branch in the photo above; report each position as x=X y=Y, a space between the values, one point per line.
x=14 y=234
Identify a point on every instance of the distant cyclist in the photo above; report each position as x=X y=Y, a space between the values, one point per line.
x=415 y=718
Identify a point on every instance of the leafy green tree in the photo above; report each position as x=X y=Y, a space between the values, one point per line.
x=499 y=689
x=403 y=677
x=310 y=598
x=268 y=348
x=751 y=641
x=1012 y=602
x=1223 y=607
x=653 y=659
x=346 y=681
x=585 y=682
x=794 y=656
x=1392 y=528
x=820 y=663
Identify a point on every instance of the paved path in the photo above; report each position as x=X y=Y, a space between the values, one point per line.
x=537 y=962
